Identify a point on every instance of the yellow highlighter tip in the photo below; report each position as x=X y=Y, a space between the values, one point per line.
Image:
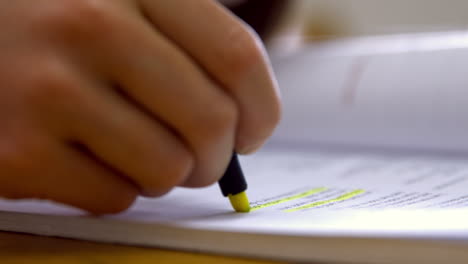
x=240 y=202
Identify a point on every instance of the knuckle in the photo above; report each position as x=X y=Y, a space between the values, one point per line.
x=48 y=84
x=256 y=129
x=209 y=170
x=121 y=201
x=69 y=17
x=180 y=165
x=220 y=120
x=241 y=52
x=173 y=171
x=205 y=181
x=10 y=161
x=18 y=160
x=14 y=156
x=272 y=117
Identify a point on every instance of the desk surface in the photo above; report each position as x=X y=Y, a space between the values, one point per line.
x=24 y=249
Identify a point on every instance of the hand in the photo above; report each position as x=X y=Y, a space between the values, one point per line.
x=105 y=100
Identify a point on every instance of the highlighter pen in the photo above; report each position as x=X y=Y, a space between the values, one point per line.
x=233 y=186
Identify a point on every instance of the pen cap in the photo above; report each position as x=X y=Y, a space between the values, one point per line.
x=233 y=181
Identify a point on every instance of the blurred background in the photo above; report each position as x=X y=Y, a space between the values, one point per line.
x=378 y=73
x=305 y=21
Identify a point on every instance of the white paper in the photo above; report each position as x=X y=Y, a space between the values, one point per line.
x=316 y=192
x=405 y=92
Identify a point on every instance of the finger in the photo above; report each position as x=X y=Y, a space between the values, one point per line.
x=71 y=104
x=168 y=84
x=116 y=132
x=51 y=170
x=133 y=143
x=231 y=53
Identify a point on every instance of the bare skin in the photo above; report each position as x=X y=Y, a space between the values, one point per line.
x=105 y=100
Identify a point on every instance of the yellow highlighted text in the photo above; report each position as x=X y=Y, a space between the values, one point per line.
x=289 y=198
x=343 y=197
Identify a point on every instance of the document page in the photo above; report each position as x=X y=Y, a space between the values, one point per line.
x=404 y=92
x=304 y=182
x=306 y=193
x=337 y=193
